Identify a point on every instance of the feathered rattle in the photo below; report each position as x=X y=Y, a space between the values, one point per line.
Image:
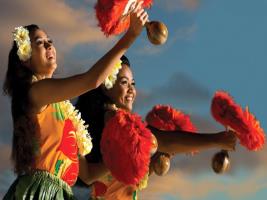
x=114 y=18
x=127 y=144
x=166 y=118
x=244 y=124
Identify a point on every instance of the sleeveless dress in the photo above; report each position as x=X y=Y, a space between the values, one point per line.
x=57 y=165
x=108 y=188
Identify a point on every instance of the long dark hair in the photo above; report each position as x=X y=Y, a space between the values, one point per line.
x=92 y=108
x=17 y=84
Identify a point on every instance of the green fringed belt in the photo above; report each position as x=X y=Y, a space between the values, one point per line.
x=39 y=185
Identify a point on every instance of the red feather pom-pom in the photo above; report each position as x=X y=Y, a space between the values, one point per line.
x=230 y=114
x=255 y=138
x=169 y=119
x=125 y=147
x=227 y=112
x=109 y=14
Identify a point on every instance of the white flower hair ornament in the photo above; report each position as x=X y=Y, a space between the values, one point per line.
x=22 y=39
x=111 y=79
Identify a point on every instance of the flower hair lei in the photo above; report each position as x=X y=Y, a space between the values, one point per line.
x=111 y=79
x=83 y=137
x=22 y=39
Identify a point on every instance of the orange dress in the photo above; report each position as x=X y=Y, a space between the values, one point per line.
x=108 y=188
x=58 y=151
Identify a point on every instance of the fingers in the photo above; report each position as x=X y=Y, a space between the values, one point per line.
x=227 y=140
x=138 y=18
x=140 y=12
x=132 y=7
x=138 y=6
x=144 y=17
x=233 y=140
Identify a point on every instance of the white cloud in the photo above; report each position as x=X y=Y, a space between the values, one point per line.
x=73 y=26
x=68 y=26
x=194 y=183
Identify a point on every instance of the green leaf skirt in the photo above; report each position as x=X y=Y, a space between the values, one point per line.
x=39 y=185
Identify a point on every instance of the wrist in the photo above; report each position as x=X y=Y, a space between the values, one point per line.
x=130 y=34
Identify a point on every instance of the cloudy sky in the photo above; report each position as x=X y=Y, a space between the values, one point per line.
x=212 y=45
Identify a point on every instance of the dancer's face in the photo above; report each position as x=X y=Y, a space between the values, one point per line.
x=43 y=58
x=123 y=92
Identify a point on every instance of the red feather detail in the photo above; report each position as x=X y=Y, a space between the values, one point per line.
x=68 y=143
x=69 y=147
x=169 y=119
x=125 y=147
x=109 y=13
x=71 y=173
x=228 y=113
x=255 y=138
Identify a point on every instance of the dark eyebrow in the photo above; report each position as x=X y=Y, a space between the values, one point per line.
x=121 y=77
x=37 y=37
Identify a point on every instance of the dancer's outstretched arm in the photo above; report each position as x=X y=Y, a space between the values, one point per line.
x=174 y=142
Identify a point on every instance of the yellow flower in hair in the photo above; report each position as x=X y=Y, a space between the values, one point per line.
x=21 y=35
x=24 y=51
x=111 y=79
x=22 y=39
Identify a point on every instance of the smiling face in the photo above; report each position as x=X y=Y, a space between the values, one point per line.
x=123 y=92
x=43 y=58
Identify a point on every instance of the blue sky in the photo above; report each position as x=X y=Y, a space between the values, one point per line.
x=212 y=45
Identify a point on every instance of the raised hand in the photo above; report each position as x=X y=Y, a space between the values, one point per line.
x=138 y=18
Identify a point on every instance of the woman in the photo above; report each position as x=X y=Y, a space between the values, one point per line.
x=47 y=131
x=96 y=107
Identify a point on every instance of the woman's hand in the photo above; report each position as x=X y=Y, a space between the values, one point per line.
x=138 y=18
x=227 y=140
